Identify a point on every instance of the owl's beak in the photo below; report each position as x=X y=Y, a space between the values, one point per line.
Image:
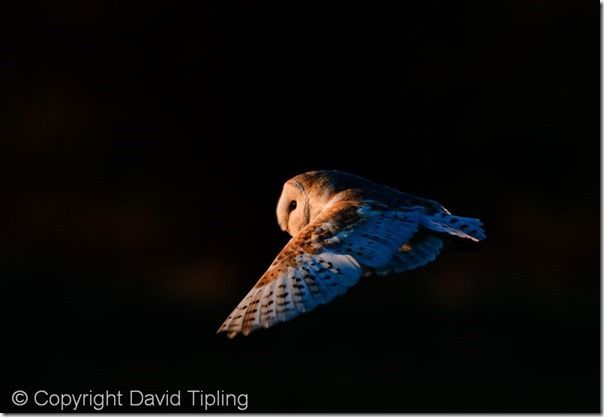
x=283 y=226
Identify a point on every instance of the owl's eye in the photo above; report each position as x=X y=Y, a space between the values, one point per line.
x=293 y=205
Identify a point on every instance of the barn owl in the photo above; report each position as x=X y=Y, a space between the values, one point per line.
x=343 y=227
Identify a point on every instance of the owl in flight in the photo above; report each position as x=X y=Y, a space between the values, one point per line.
x=342 y=227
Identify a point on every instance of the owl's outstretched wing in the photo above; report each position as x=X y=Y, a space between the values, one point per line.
x=321 y=262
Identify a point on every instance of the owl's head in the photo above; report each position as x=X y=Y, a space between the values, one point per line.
x=306 y=195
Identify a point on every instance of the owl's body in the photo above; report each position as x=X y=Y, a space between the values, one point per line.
x=343 y=227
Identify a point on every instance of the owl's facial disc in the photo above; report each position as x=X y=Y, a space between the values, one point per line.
x=292 y=213
x=301 y=201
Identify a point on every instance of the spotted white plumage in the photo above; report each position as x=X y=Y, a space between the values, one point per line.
x=343 y=227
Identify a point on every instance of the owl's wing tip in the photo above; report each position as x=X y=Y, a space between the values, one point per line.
x=464 y=227
x=228 y=334
x=225 y=328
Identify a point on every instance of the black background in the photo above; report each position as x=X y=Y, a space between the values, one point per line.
x=147 y=145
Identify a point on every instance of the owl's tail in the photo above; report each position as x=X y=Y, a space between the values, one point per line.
x=464 y=227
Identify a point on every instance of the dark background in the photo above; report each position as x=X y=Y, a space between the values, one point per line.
x=142 y=182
